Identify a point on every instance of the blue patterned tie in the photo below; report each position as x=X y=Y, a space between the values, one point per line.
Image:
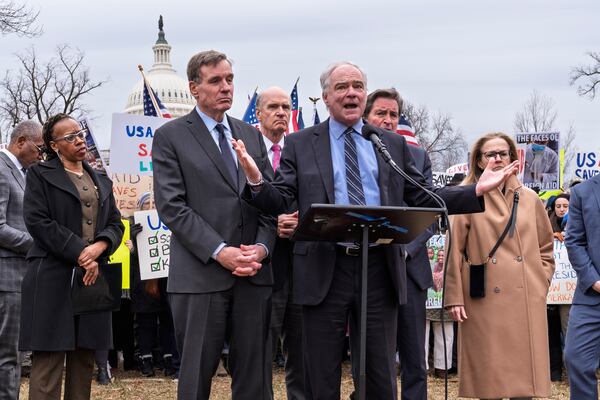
x=356 y=195
x=226 y=153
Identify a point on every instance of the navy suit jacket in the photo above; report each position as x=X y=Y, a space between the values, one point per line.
x=305 y=176
x=583 y=239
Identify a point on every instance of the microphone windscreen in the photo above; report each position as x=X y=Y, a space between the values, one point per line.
x=368 y=130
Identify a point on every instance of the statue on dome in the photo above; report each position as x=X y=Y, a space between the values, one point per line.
x=160 y=23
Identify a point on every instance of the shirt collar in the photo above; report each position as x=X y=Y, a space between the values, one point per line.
x=211 y=123
x=13 y=158
x=269 y=144
x=337 y=129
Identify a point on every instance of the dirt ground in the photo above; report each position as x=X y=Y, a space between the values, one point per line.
x=132 y=386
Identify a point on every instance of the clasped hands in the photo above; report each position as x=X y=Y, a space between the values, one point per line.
x=87 y=260
x=242 y=261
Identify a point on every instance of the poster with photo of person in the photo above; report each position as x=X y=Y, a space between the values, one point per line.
x=540 y=161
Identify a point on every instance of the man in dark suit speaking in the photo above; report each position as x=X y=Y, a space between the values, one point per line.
x=219 y=281
x=332 y=163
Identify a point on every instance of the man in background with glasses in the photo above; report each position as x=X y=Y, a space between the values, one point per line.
x=24 y=149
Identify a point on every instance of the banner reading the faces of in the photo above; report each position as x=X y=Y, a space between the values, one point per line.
x=538 y=154
x=131 y=143
x=153 y=244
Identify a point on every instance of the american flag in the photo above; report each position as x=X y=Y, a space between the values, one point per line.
x=405 y=128
x=150 y=103
x=295 y=126
x=250 y=114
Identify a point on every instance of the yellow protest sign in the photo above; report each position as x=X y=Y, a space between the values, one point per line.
x=122 y=255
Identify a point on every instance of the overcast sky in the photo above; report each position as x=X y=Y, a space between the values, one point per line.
x=475 y=60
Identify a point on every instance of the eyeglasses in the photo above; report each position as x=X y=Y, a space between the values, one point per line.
x=41 y=150
x=504 y=154
x=70 y=138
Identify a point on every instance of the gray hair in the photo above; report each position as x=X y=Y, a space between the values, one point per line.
x=332 y=67
x=209 y=57
x=260 y=96
x=29 y=129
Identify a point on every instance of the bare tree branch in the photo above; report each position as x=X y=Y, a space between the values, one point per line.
x=445 y=144
x=19 y=19
x=41 y=89
x=588 y=76
x=537 y=115
x=568 y=144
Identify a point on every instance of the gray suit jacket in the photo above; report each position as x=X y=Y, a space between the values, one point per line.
x=417 y=263
x=14 y=238
x=200 y=203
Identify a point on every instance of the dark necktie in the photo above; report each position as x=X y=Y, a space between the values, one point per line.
x=226 y=153
x=356 y=195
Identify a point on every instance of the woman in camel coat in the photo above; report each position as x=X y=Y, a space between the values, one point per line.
x=503 y=339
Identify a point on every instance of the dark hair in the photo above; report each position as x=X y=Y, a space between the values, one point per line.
x=391 y=93
x=210 y=57
x=475 y=170
x=47 y=131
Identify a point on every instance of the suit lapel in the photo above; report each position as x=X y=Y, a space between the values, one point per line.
x=322 y=150
x=203 y=137
x=14 y=171
x=236 y=133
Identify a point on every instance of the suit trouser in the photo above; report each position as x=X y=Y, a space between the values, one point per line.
x=582 y=350
x=411 y=343
x=10 y=369
x=438 y=343
x=204 y=321
x=286 y=324
x=47 y=371
x=324 y=330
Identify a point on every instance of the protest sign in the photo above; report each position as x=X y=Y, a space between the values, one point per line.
x=564 y=280
x=435 y=253
x=131 y=143
x=93 y=154
x=540 y=163
x=128 y=189
x=122 y=256
x=461 y=168
x=587 y=164
x=441 y=179
x=153 y=245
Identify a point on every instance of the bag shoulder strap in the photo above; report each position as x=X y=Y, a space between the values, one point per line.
x=510 y=226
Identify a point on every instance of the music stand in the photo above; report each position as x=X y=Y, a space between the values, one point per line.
x=364 y=225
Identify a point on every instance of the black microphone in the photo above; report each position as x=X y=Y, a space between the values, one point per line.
x=370 y=133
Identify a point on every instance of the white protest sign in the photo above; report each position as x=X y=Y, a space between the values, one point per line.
x=153 y=244
x=564 y=281
x=131 y=143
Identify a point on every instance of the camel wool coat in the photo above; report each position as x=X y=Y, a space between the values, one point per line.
x=503 y=344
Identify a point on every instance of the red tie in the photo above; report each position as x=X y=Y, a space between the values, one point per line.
x=276 y=156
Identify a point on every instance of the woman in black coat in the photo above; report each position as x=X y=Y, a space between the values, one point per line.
x=70 y=212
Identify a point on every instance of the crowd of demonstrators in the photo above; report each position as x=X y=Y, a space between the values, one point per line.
x=500 y=268
x=70 y=212
x=236 y=280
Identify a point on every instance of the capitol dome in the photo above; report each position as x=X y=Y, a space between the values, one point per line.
x=172 y=90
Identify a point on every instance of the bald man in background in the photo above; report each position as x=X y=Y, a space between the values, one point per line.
x=273 y=110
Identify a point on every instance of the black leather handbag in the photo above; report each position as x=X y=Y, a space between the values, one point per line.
x=103 y=295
